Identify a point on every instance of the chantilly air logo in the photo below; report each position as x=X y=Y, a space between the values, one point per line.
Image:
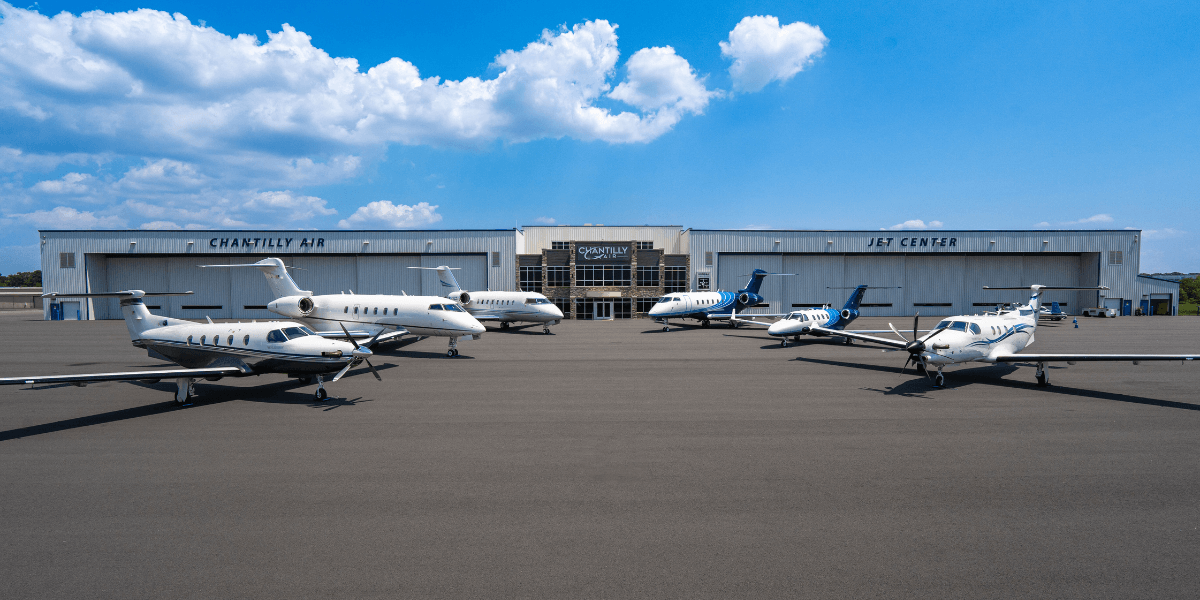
x=602 y=252
x=264 y=243
x=912 y=242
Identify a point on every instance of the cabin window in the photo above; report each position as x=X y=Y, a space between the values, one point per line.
x=246 y=340
x=202 y=339
x=189 y=342
x=229 y=342
x=276 y=337
x=356 y=310
x=346 y=310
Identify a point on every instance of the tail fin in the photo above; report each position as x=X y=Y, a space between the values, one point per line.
x=446 y=276
x=1035 y=296
x=855 y=298
x=1055 y=309
x=137 y=317
x=278 y=280
x=756 y=279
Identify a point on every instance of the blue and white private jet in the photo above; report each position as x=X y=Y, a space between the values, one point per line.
x=709 y=306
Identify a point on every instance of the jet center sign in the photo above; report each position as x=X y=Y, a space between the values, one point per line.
x=914 y=242
x=605 y=252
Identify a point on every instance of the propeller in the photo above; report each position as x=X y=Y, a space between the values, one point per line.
x=360 y=354
x=917 y=346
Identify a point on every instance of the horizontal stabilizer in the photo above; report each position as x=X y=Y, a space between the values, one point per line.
x=1014 y=358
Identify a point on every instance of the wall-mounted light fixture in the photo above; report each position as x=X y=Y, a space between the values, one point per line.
x=829 y=242
x=992 y=242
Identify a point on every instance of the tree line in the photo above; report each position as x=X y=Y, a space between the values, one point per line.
x=26 y=279
x=1189 y=290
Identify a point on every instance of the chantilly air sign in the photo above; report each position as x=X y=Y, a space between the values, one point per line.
x=914 y=242
x=265 y=243
x=606 y=252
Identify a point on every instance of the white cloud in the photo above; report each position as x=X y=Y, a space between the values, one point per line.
x=1166 y=232
x=917 y=224
x=65 y=217
x=658 y=78
x=763 y=52
x=293 y=207
x=1092 y=220
x=384 y=213
x=159 y=225
x=71 y=183
x=545 y=220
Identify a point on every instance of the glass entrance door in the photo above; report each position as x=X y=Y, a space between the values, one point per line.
x=603 y=310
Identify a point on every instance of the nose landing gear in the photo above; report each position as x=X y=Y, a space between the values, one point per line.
x=321 y=395
x=453 y=350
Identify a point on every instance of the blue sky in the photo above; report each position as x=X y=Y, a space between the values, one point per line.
x=944 y=115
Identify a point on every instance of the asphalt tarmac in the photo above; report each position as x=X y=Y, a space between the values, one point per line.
x=610 y=460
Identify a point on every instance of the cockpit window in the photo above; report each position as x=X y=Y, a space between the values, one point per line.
x=276 y=337
x=958 y=326
x=454 y=308
x=295 y=332
x=435 y=307
x=975 y=329
x=943 y=325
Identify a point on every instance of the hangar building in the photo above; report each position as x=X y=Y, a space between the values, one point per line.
x=610 y=272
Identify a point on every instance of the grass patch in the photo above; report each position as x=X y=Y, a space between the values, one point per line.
x=1187 y=309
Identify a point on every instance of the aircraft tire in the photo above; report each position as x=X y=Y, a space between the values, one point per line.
x=321 y=395
x=1043 y=379
x=666 y=328
x=783 y=343
x=939 y=380
x=705 y=323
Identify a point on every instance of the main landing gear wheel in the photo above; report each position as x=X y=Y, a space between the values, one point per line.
x=1043 y=378
x=185 y=390
x=504 y=325
x=451 y=353
x=705 y=323
x=546 y=330
x=939 y=380
x=321 y=395
x=849 y=341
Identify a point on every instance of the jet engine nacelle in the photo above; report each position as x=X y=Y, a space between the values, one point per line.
x=848 y=314
x=292 y=306
x=747 y=299
x=460 y=297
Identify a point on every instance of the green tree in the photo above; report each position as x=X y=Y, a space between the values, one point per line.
x=1189 y=290
x=26 y=279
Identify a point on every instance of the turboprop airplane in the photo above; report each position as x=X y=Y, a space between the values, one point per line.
x=215 y=350
x=366 y=314
x=710 y=306
x=992 y=338
x=503 y=307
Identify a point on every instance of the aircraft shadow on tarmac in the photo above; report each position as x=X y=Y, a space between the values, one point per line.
x=210 y=393
x=994 y=375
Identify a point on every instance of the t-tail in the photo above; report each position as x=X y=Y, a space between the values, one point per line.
x=756 y=279
x=137 y=317
x=855 y=299
x=1036 y=291
x=449 y=283
x=281 y=284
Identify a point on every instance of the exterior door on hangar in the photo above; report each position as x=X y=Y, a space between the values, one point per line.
x=733 y=273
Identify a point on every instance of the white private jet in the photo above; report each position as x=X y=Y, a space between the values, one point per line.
x=503 y=307
x=215 y=350
x=711 y=306
x=365 y=314
x=992 y=338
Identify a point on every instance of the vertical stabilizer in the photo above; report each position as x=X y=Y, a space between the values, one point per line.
x=278 y=280
x=855 y=298
x=449 y=283
x=756 y=279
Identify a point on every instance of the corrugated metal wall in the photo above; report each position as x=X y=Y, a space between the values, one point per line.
x=735 y=274
x=471 y=274
x=883 y=272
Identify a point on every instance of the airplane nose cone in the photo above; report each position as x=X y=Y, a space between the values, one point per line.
x=775 y=329
x=555 y=312
x=477 y=328
x=655 y=310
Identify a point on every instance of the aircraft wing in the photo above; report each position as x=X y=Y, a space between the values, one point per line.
x=86 y=378
x=359 y=333
x=485 y=317
x=859 y=336
x=1013 y=358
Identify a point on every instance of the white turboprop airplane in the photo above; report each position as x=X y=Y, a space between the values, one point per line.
x=504 y=307
x=366 y=314
x=992 y=338
x=215 y=350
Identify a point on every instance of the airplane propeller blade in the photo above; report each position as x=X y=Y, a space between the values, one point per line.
x=916 y=319
x=373 y=371
x=372 y=342
x=348 y=336
x=900 y=335
x=342 y=372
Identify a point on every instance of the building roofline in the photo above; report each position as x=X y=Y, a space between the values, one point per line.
x=153 y=231
x=1158 y=279
x=919 y=231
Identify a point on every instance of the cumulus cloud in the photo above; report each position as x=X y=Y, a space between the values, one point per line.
x=545 y=220
x=762 y=51
x=71 y=183
x=917 y=224
x=383 y=213
x=658 y=78
x=293 y=206
x=65 y=217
